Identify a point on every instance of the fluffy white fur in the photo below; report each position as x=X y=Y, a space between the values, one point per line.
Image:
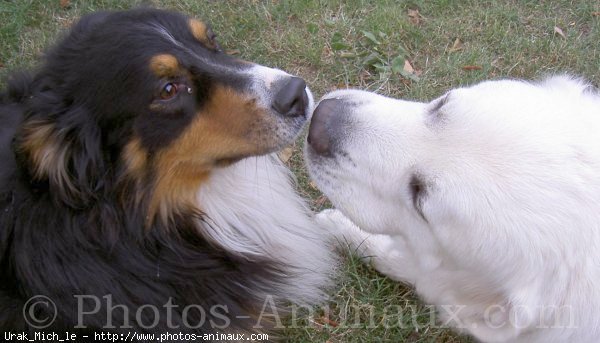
x=254 y=209
x=503 y=232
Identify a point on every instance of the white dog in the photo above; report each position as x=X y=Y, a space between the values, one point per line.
x=486 y=199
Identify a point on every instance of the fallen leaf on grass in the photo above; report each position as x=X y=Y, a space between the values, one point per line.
x=286 y=154
x=458 y=45
x=324 y=320
x=469 y=68
x=402 y=66
x=232 y=52
x=408 y=67
x=596 y=14
x=560 y=32
x=65 y=3
x=414 y=17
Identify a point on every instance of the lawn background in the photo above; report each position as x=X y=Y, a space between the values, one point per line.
x=409 y=49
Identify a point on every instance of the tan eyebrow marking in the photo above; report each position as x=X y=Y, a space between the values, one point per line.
x=164 y=65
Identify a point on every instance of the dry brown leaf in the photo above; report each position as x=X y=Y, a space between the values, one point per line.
x=471 y=67
x=458 y=45
x=65 y=3
x=414 y=17
x=232 y=52
x=286 y=154
x=560 y=32
x=596 y=14
x=408 y=67
x=325 y=320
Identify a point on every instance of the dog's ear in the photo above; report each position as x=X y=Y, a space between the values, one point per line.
x=59 y=142
x=61 y=147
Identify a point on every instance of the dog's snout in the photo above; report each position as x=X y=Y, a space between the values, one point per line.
x=319 y=134
x=291 y=99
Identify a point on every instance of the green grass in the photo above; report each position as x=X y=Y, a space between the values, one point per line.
x=327 y=42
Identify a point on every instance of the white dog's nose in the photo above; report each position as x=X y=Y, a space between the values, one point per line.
x=319 y=134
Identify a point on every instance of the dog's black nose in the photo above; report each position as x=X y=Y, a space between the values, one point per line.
x=319 y=133
x=291 y=99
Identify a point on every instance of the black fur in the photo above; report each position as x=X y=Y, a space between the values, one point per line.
x=90 y=238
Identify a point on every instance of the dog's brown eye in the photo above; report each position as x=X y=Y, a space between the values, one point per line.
x=168 y=91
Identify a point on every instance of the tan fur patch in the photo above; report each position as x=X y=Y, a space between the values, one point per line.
x=230 y=126
x=46 y=154
x=201 y=32
x=164 y=65
x=135 y=157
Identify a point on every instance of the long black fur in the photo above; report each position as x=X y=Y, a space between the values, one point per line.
x=91 y=238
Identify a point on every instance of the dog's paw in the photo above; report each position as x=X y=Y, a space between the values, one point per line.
x=333 y=221
x=342 y=228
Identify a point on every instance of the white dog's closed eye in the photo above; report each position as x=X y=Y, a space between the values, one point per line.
x=486 y=199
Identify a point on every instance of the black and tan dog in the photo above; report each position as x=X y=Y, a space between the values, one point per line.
x=138 y=189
